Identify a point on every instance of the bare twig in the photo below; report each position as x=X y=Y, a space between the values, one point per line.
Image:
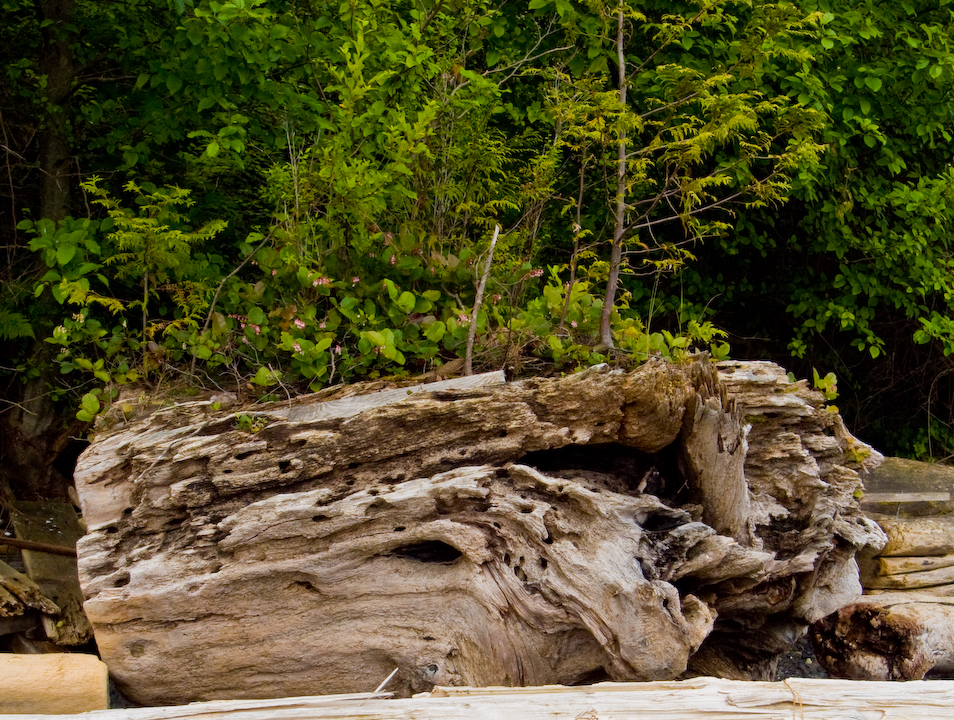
x=472 y=334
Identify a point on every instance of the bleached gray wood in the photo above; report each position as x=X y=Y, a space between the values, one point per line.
x=304 y=412
x=699 y=699
x=508 y=533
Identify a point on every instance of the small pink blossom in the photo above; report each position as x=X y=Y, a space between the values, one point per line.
x=463 y=319
x=497 y=298
x=274 y=273
x=535 y=273
x=337 y=349
x=355 y=280
x=572 y=323
x=300 y=324
x=256 y=328
x=321 y=325
x=296 y=347
x=245 y=340
x=320 y=281
x=393 y=259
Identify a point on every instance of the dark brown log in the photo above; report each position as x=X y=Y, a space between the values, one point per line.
x=901 y=487
x=37 y=546
x=548 y=530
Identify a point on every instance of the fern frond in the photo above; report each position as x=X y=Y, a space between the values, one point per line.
x=14 y=325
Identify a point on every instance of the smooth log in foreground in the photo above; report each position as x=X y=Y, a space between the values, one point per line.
x=698 y=699
x=54 y=683
x=604 y=525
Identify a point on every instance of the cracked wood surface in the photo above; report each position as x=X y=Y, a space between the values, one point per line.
x=603 y=525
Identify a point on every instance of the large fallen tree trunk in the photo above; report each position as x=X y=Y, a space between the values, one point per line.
x=603 y=525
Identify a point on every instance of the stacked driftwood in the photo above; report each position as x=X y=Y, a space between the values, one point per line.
x=41 y=601
x=41 y=614
x=619 y=525
x=904 y=626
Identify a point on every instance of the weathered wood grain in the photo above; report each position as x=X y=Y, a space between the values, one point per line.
x=548 y=530
x=699 y=698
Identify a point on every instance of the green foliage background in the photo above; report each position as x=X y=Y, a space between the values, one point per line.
x=253 y=194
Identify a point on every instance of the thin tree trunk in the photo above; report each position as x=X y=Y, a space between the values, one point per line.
x=616 y=255
x=472 y=333
x=577 y=230
x=56 y=64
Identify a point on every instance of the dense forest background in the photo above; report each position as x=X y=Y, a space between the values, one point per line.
x=267 y=197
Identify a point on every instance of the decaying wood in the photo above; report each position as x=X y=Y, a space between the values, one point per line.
x=700 y=698
x=54 y=524
x=601 y=525
x=19 y=594
x=892 y=636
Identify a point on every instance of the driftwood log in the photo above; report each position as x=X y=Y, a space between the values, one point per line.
x=698 y=699
x=605 y=525
x=902 y=487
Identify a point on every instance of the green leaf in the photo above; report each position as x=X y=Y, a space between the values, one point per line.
x=435 y=331
x=266 y=376
x=65 y=253
x=406 y=302
x=873 y=83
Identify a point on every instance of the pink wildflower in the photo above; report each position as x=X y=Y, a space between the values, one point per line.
x=572 y=323
x=535 y=273
x=274 y=273
x=300 y=324
x=296 y=347
x=393 y=259
x=321 y=325
x=337 y=349
x=355 y=280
